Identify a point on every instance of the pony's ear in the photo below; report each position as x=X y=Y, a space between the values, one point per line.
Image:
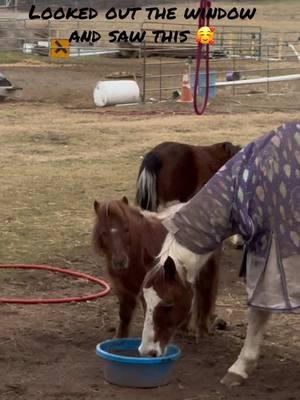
x=125 y=200
x=96 y=206
x=170 y=269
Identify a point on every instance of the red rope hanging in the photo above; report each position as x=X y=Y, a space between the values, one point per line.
x=203 y=21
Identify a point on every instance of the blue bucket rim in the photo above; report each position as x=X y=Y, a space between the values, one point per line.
x=176 y=352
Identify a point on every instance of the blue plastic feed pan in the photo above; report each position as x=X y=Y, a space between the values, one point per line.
x=125 y=367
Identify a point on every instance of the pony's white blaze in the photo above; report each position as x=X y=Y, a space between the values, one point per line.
x=148 y=344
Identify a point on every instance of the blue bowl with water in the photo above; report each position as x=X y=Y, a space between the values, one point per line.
x=123 y=366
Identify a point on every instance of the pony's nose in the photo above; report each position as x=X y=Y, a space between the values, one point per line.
x=152 y=353
x=120 y=262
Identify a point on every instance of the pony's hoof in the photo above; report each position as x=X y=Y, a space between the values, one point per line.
x=220 y=324
x=231 y=379
x=237 y=242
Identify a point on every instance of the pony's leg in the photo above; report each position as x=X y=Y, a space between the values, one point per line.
x=237 y=241
x=127 y=306
x=206 y=295
x=247 y=360
x=191 y=327
x=144 y=305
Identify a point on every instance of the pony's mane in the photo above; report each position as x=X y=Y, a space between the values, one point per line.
x=158 y=268
x=171 y=248
x=166 y=250
x=186 y=261
x=119 y=208
x=161 y=215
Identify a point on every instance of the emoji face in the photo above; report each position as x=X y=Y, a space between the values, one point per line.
x=205 y=35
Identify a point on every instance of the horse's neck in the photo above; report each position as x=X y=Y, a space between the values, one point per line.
x=188 y=264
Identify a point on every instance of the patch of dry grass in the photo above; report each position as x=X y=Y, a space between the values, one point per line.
x=55 y=162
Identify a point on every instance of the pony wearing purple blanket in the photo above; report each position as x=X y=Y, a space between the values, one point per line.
x=255 y=194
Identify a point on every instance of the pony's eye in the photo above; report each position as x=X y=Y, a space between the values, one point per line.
x=126 y=229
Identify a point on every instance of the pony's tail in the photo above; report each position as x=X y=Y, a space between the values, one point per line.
x=146 y=194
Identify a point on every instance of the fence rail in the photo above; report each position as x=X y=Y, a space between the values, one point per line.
x=249 y=50
x=230 y=41
x=162 y=78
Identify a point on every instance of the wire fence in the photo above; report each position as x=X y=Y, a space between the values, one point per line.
x=246 y=50
x=162 y=78
x=230 y=41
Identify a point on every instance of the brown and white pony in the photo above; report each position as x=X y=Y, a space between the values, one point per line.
x=130 y=240
x=166 y=293
x=176 y=171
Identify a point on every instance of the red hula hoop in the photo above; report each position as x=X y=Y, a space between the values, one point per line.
x=79 y=275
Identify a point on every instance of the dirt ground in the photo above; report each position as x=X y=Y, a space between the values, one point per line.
x=57 y=154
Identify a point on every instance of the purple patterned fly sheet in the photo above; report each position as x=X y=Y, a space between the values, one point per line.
x=256 y=194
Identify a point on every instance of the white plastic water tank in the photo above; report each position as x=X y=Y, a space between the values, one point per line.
x=112 y=92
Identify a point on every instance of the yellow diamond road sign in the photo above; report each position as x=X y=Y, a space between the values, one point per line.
x=60 y=48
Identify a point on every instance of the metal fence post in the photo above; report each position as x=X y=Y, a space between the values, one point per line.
x=233 y=70
x=160 y=78
x=268 y=70
x=49 y=38
x=259 y=43
x=144 y=73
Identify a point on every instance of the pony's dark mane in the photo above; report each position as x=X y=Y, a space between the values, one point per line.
x=118 y=207
x=150 y=274
x=95 y=235
x=159 y=269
